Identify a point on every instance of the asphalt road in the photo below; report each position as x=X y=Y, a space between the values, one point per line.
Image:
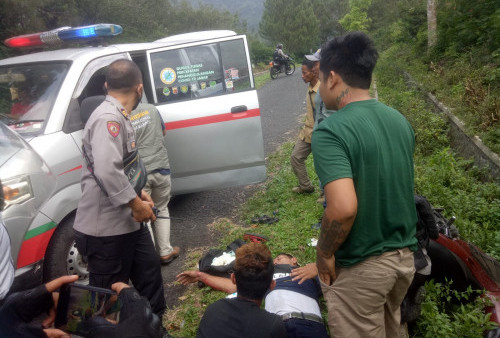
x=282 y=104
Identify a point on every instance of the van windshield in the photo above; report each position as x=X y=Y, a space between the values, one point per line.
x=27 y=94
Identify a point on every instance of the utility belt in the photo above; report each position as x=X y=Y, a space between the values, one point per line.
x=302 y=315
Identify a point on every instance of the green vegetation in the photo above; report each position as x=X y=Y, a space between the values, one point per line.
x=442 y=318
x=445 y=179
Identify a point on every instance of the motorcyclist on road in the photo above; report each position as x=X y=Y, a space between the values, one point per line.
x=280 y=57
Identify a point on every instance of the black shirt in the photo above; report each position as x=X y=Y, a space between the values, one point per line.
x=239 y=318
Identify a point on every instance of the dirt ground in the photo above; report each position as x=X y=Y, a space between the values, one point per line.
x=282 y=104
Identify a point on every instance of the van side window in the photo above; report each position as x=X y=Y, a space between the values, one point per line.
x=200 y=71
x=91 y=83
x=234 y=62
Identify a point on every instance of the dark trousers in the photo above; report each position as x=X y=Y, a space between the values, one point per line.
x=119 y=258
x=303 y=328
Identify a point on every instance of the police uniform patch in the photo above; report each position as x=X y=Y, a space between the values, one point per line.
x=113 y=128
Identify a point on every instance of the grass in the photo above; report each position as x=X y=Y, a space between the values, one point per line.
x=469 y=87
x=445 y=179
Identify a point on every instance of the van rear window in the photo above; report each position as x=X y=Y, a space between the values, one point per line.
x=200 y=71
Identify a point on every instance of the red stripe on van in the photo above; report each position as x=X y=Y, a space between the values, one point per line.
x=33 y=249
x=199 y=121
x=67 y=171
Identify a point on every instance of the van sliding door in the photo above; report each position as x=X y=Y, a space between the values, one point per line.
x=206 y=96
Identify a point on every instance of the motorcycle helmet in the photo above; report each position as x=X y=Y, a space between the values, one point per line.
x=279 y=46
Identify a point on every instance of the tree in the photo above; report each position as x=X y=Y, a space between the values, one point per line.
x=431 y=23
x=357 y=19
x=291 y=22
x=328 y=13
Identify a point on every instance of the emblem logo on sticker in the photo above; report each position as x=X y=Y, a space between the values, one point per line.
x=212 y=83
x=175 y=90
x=168 y=76
x=166 y=91
x=184 y=89
x=203 y=85
x=113 y=128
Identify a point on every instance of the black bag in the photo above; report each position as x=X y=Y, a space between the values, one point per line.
x=132 y=166
x=426 y=229
x=135 y=171
x=205 y=263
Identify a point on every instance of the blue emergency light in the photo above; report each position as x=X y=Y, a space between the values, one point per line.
x=64 y=34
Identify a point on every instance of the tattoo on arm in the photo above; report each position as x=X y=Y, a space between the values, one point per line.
x=342 y=95
x=332 y=235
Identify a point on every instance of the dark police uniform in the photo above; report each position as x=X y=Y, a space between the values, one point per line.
x=116 y=246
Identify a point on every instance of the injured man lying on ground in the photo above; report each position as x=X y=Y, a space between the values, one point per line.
x=294 y=298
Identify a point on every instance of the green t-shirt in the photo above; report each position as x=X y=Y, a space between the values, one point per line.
x=373 y=144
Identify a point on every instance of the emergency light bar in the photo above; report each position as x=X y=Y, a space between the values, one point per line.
x=64 y=34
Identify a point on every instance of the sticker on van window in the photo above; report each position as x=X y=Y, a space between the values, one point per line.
x=166 y=91
x=194 y=87
x=168 y=76
x=203 y=85
x=229 y=84
x=175 y=90
x=184 y=89
x=212 y=83
x=192 y=73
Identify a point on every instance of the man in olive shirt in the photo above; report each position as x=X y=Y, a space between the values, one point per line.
x=302 y=147
x=150 y=129
x=107 y=228
x=363 y=155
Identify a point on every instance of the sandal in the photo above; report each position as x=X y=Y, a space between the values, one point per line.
x=264 y=219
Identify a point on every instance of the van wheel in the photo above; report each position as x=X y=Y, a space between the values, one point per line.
x=62 y=256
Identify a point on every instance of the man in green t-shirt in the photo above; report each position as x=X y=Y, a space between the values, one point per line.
x=363 y=155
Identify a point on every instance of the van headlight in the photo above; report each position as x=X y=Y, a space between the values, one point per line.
x=16 y=190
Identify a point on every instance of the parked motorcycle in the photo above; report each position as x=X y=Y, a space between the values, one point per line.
x=455 y=259
x=277 y=68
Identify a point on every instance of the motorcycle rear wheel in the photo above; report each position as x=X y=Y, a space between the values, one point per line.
x=274 y=73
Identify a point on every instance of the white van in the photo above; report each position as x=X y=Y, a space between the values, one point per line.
x=202 y=84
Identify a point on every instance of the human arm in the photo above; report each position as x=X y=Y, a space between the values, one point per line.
x=336 y=224
x=215 y=282
x=136 y=317
x=106 y=141
x=303 y=273
x=21 y=308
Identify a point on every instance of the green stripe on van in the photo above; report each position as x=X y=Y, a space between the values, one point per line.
x=39 y=230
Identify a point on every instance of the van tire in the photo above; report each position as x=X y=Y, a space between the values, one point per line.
x=62 y=258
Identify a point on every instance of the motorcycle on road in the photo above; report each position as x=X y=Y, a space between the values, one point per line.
x=277 y=68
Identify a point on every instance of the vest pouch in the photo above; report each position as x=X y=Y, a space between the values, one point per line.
x=135 y=171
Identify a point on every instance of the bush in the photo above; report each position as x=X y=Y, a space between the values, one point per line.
x=447 y=313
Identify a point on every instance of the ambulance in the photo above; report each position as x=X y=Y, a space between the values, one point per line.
x=203 y=86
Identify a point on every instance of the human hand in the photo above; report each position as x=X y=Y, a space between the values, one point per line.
x=146 y=197
x=56 y=333
x=142 y=211
x=188 y=277
x=326 y=269
x=51 y=287
x=309 y=271
x=119 y=286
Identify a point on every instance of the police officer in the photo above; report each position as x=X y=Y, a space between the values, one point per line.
x=107 y=228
